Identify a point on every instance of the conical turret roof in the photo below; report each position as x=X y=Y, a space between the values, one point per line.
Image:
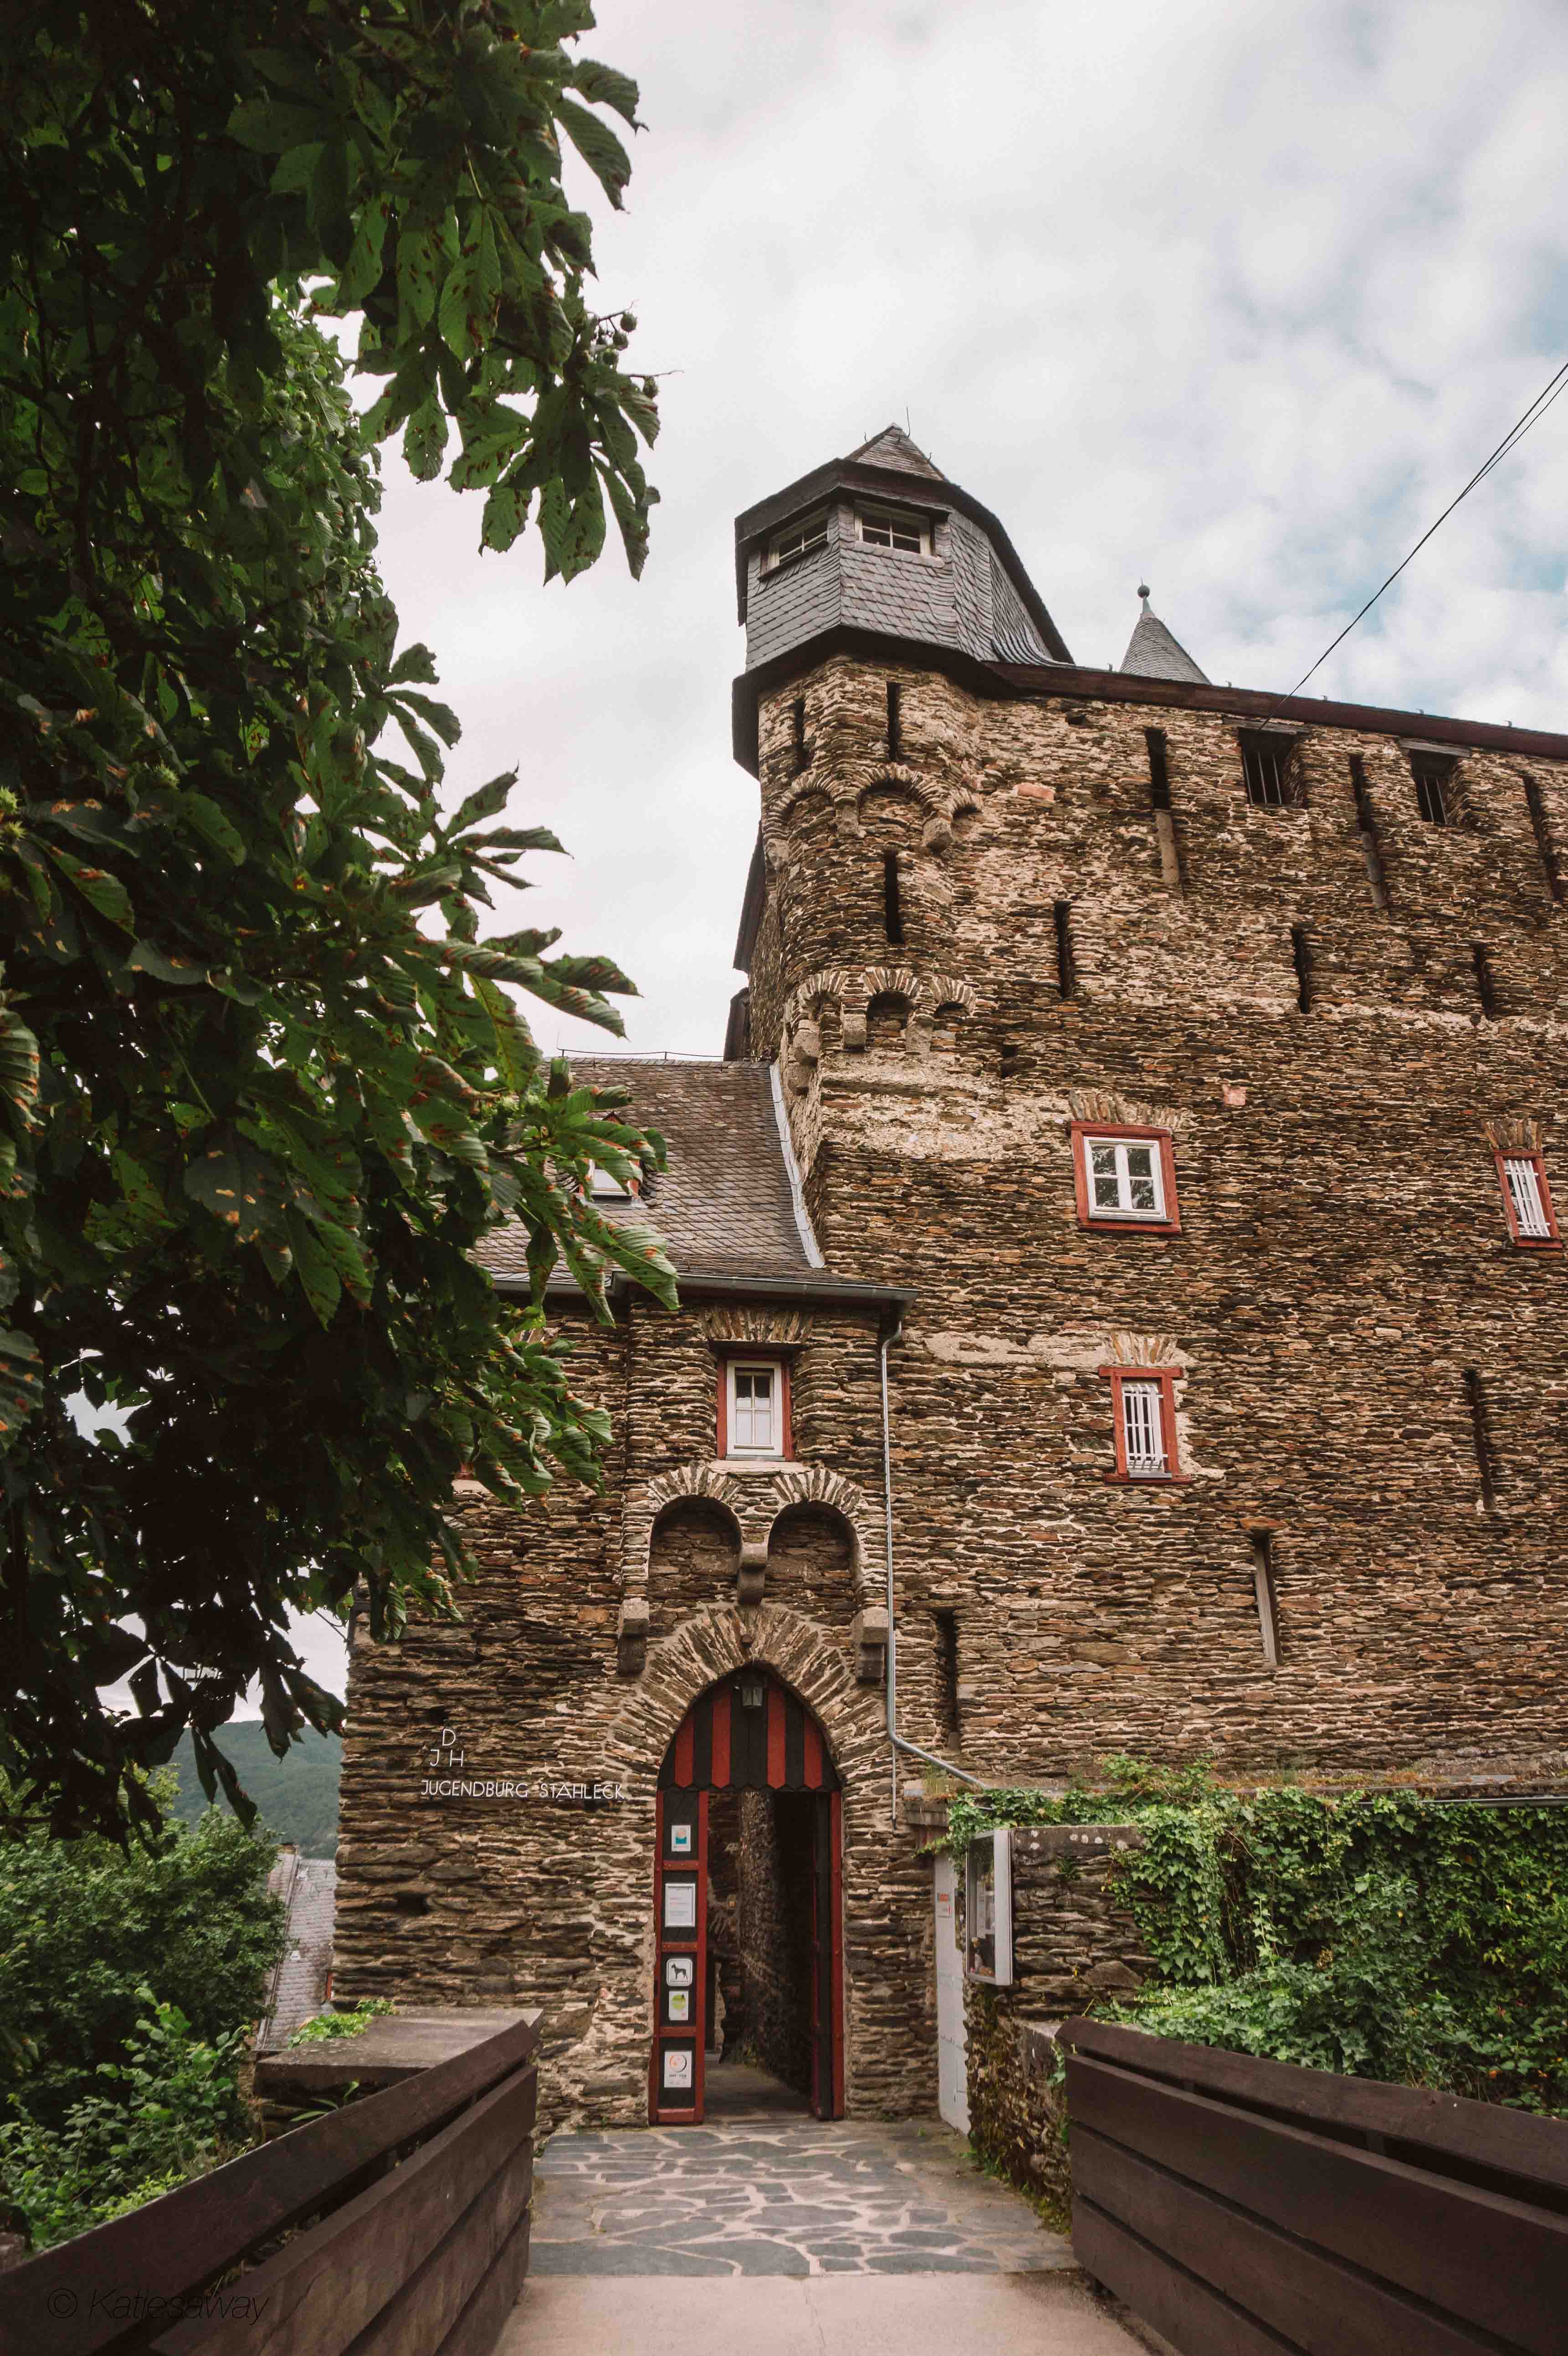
x=1153 y=653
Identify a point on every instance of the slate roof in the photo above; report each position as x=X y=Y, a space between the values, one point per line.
x=724 y=1206
x=1153 y=653
x=892 y=447
x=308 y=1887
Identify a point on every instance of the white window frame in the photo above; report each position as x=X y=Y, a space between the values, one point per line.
x=890 y=520
x=1142 y=1406
x=802 y=539
x=988 y=1907
x=733 y=1444
x=1521 y=1176
x=605 y=1187
x=1124 y=1207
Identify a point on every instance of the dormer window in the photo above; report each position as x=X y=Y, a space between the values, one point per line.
x=753 y=1401
x=887 y=528
x=796 y=539
x=603 y=1186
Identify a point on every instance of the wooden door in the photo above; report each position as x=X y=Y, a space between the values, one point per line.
x=680 y=1947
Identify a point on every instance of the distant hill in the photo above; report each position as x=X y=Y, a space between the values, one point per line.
x=297 y=1796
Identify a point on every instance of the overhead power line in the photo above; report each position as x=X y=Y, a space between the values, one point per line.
x=1516 y=433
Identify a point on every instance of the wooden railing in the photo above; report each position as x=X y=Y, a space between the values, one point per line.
x=1242 y=2208
x=399 y=2224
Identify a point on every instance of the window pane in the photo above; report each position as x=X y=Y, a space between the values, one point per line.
x=1524 y=1189
x=753 y=1396
x=1125 y=1178
x=1142 y=1426
x=1142 y=1190
x=1107 y=1186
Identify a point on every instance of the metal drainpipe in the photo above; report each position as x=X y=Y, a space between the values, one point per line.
x=895 y=1739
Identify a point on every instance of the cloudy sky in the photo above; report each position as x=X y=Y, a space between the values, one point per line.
x=1232 y=297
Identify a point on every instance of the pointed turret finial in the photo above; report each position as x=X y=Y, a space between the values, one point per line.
x=1153 y=653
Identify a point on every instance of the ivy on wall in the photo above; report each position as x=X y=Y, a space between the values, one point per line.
x=1375 y=1934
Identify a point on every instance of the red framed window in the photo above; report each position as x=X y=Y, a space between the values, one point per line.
x=1125 y=1178
x=1527 y=1201
x=1143 y=1418
x=754 y=1409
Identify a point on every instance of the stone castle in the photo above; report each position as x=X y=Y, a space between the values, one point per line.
x=1122 y=1311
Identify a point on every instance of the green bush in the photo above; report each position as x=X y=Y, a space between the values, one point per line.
x=85 y=1924
x=1376 y=1934
x=175 y=2113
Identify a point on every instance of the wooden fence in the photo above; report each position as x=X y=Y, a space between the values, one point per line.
x=1242 y=2208
x=398 y=2224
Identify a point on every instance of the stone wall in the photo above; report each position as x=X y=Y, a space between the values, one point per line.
x=1073 y=1945
x=1342 y=1261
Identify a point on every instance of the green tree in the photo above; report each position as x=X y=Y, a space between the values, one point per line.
x=85 y=1923
x=262 y=1087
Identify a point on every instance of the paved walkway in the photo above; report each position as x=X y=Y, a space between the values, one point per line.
x=877 y=2240
x=780 y=2196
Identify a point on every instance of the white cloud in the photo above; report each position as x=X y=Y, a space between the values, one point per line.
x=1232 y=296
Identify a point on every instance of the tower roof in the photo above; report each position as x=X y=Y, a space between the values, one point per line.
x=1153 y=653
x=892 y=447
x=976 y=595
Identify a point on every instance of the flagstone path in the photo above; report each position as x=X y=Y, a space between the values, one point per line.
x=788 y=2196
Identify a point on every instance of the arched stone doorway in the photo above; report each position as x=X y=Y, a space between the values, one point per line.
x=747 y=1747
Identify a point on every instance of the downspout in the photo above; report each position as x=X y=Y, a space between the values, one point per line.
x=895 y=1739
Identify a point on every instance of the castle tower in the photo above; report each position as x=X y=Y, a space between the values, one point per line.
x=1193 y=1054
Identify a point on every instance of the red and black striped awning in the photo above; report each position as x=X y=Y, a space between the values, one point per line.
x=728 y=1743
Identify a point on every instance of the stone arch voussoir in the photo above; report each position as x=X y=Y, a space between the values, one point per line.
x=713 y=1646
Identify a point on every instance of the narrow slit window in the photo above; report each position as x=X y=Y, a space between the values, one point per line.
x=1486 y=981
x=1263 y=1587
x=895 y=738
x=1066 y=964
x=1543 y=843
x=802 y=750
x=946 y=1624
x=1158 y=769
x=892 y=914
x=1269 y=772
x=1301 y=956
x=1527 y=1198
x=755 y=1409
x=1433 y=798
x=1480 y=1429
x=1372 y=845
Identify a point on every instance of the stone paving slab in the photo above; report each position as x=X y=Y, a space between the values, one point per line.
x=796 y=2197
